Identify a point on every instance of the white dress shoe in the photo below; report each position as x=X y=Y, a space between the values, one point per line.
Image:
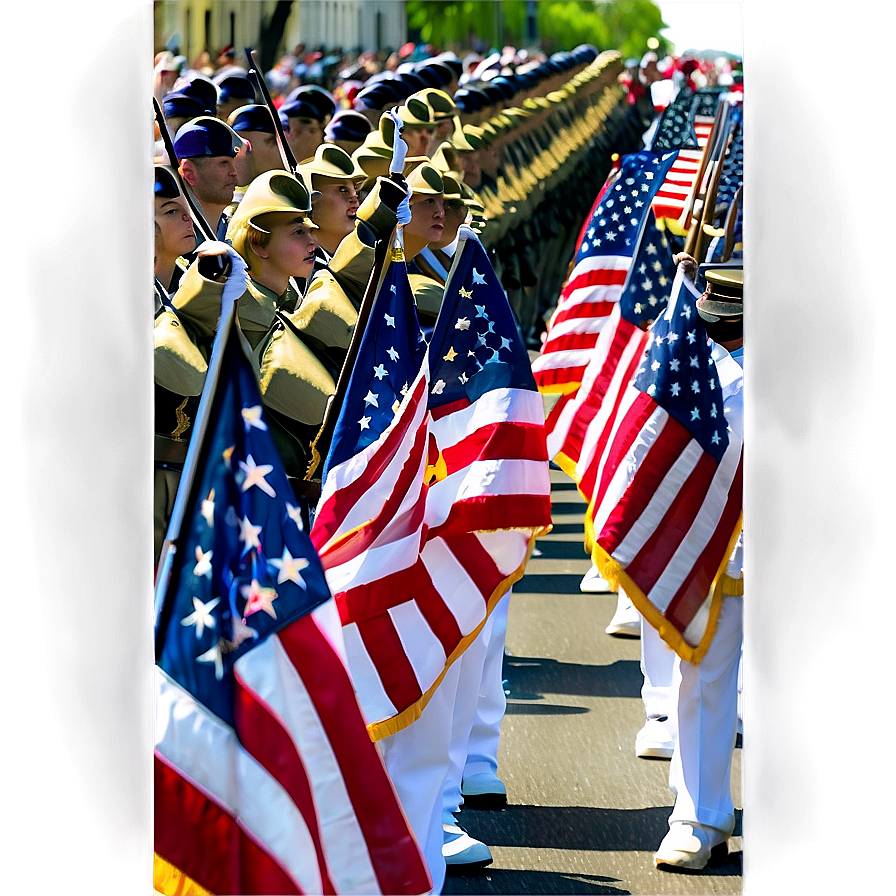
x=655 y=740
x=626 y=621
x=592 y=583
x=690 y=847
x=462 y=853
x=483 y=791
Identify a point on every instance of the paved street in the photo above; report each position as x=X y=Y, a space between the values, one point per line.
x=584 y=814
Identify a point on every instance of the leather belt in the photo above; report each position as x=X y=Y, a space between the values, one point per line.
x=169 y=451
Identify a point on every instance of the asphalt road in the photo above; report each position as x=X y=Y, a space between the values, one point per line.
x=584 y=814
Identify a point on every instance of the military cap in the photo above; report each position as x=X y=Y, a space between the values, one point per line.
x=723 y=296
x=347 y=125
x=331 y=161
x=254 y=117
x=166 y=183
x=200 y=88
x=428 y=76
x=300 y=108
x=321 y=99
x=424 y=178
x=180 y=105
x=377 y=96
x=469 y=100
x=272 y=191
x=415 y=112
x=469 y=139
x=494 y=94
x=439 y=71
x=449 y=59
x=409 y=82
x=236 y=87
x=206 y=136
x=442 y=106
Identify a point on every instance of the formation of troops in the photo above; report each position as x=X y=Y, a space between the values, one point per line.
x=285 y=209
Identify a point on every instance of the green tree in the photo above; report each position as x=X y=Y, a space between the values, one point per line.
x=623 y=25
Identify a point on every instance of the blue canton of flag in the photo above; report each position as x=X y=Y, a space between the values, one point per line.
x=618 y=218
x=678 y=372
x=389 y=358
x=649 y=282
x=244 y=567
x=476 y=345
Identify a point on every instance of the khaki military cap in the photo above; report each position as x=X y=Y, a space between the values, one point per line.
x=332 y=161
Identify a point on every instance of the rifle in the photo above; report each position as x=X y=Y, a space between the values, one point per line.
x=195 y=211
x=261 y=86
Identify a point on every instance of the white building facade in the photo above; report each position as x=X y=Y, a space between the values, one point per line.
x=352 y=25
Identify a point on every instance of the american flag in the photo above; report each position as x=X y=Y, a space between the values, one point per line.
x=266 y=780
x=581 y=434
x=599 y=272
x=668 y=538
x=688 y=130
x=404 y=526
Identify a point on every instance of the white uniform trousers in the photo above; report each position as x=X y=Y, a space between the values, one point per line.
x=482 y=751
x=659 y=666
x=416 y=759
x=700 y=773
x=479 y=706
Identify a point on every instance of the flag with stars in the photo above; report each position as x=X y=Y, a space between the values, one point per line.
x=368 y=527
x=580 y=432
x=688 y=130
x=265 y=779
x=599 y=272
x=668 y=538
x=414 y=561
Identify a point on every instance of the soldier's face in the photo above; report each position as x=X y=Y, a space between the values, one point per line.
x=304 y=136
x=455 y=215
x=174 y=233
x=417 y=140
x=427 y=219
x=334 y=210
x=291 y=248
x=215 y=180
x=262 y=154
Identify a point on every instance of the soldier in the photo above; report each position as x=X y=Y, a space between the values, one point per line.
x=260 y=151
x=271 y=234
x=179 y=108
x=333 y=177
x=206 y=148
x=702 y=818
x=347 y=130
x=174 y=234
x=233 y=92
x=303 y=126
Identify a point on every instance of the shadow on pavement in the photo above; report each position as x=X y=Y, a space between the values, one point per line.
x=582 y=828
x=530 y=678
x=550 y=583
x=542 y=709
x=500 y=881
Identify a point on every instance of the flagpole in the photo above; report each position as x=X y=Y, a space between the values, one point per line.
x=285 y=149
x=710 y=157
x=200 y=425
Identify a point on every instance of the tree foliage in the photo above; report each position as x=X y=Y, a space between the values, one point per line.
x=623 y=25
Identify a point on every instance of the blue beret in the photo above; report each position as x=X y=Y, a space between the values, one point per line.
x=348 y=125
x=204 y=137
x=179 y=105
x=377 y=96
x=236 y=87
x=201 y=89
x=315 y=95
x=300 y=108
x=166 y=187
x=469 y=100
x=410 y=82
x=254 y=117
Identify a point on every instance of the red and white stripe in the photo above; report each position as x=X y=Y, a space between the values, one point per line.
x=681 y=182
x=293 y=798
x=413 y=574
x=582 y=429
x=671 y=530
x=592 y=288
